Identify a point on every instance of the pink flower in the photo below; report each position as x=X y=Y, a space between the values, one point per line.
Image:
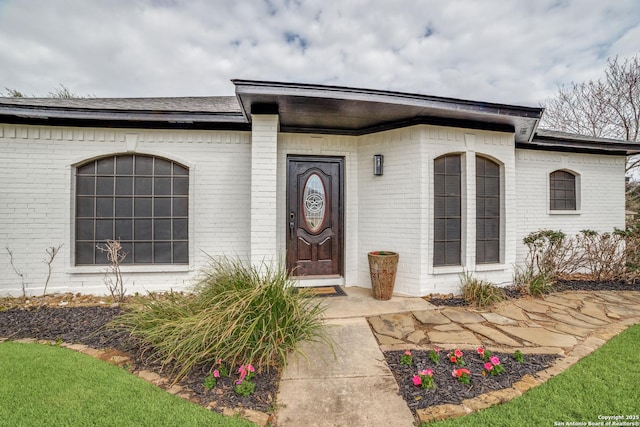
x=488 y=366
x=436 y=349
x=495 y=360
x=426 y=373
x=407 y=353
x=417 y=380
x=453 y=359
x=219 y=361
x=250 y=368
x=458 y=353
x=480 y=351
x=216 y=374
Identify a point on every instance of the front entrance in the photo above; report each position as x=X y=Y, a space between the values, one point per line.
x=315 y=215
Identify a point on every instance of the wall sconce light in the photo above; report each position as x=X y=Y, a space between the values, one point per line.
x=378 y=160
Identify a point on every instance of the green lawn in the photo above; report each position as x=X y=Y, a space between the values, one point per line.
x=43 y=385
x=605 y=383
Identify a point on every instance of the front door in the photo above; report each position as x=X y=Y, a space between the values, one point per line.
x=314 y=215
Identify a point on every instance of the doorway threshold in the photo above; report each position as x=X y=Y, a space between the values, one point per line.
x=309 y=281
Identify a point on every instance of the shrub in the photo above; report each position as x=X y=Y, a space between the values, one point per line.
x=237 y=313
x=479 y=293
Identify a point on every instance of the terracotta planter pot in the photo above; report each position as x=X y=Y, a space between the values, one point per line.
x=382 y=267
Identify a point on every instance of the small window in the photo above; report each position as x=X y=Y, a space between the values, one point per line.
x=488 y=207
x=447 y=205
x=142 y=201
x=562 y=191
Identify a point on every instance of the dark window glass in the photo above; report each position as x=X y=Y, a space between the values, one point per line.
x=487 y=211
x=124 y=165
x=447 y=207
x=141 y=201
x=562 y=185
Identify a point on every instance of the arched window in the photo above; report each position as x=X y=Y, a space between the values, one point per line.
x=447 y=205
x=488 y=207
x=140 y=200
x=562 y=191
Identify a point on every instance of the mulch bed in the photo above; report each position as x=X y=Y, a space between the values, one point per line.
x=86 y=325
x=566 y=285
x=448 y=389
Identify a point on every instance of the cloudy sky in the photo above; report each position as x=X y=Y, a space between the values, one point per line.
x=509 y=51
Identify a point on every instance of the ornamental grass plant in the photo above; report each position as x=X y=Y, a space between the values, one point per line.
x=478 y=292
x=237 y=312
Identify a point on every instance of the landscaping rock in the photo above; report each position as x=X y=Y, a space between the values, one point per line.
x=462 y=316
x=431 y=317
x=393 y=325
x=540 y=336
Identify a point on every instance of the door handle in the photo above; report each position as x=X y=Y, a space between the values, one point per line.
x=292 y=224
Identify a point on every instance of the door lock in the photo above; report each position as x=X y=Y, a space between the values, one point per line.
x=292 y=224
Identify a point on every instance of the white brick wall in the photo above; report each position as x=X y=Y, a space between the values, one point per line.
x=601 y=193
x=264 y=142
x=236 y=214
x=36 y=200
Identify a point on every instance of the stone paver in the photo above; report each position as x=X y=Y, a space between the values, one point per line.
x=462 y=316
x=433 y=317
x=511 y=311
x=494 y=335
x=594 y=310
x=498 y=319
x=449 y=327
x=571 y=320
x=540 y=336
x=393 y=325
x=531 y=306
x=453 y=337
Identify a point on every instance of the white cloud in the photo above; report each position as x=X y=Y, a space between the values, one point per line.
x=494 y=50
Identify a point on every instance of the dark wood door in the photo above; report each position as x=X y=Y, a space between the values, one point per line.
x=314 y=215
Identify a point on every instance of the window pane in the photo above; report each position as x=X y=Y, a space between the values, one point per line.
x=180 y=170
x=162 y=186
x=142 y=253
x=438 y=166
x=88 y=169
x=127 y=248
x=452 y=185
x=104 y=185
x=453 y=229
x=452 y=165
x=124 y=229
x=180 y=229
x=180 y=252
x=492 y=251
x=143 y=206
x=105 y=166
x=84 y=253
x=162 y=167
x=84 y=229
x=439 y=229
x=104 y=207
x=124 y=186
x=124 y=207
x=180 y=206
x=480 y=229
x=181 y=186
x=438 y=185
x=439 y=253
x=84 y=208
x=144 y=165
x=492 y=206
x=143 y=186
x=162 y=252
x=453 y=253
x=124 y=165
x=142 y=229
x=452 y=206
x=162 y=206
x=492 y=186
x=104 y=229
x=162 y=229
x=101 y=257
x=86 y=185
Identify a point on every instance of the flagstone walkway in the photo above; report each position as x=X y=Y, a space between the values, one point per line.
x=572 y=324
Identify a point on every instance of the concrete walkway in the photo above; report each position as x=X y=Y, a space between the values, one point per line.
x=356 y=388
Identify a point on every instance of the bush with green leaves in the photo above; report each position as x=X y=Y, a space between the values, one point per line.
x=238 y=313
x=478 y=292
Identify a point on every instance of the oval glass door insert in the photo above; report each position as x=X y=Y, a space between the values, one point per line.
x=314 y=202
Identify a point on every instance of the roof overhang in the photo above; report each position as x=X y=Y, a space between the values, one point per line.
x=100 y=113
x=550 y=140
x=349 y=111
